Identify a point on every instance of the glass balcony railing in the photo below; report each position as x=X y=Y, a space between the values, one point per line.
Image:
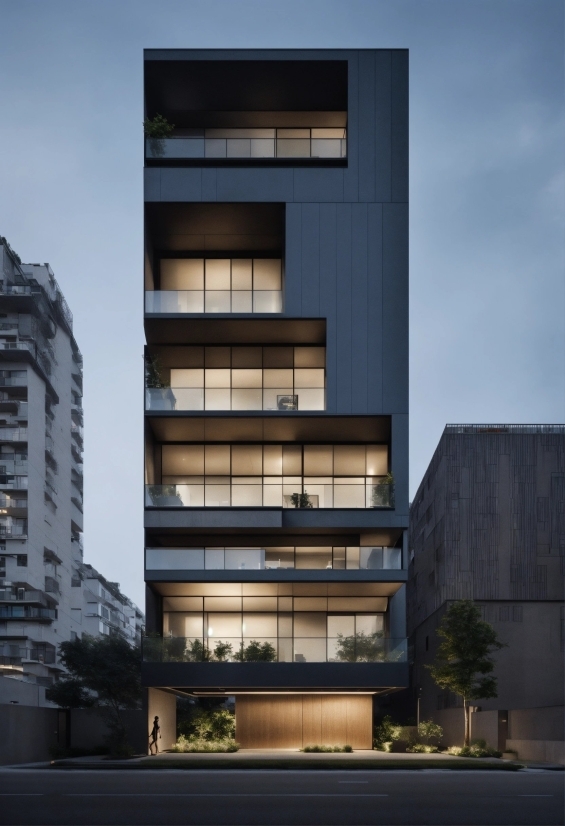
x=27 y=612
x=252 y=144
x=357 y=648
x=277 y=492
x=213 y=301
x=275 y=558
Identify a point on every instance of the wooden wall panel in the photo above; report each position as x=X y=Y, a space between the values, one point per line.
x=311 y=719
x=360 y=721
x=298 y=720
x=269 y=722
x=334 y=720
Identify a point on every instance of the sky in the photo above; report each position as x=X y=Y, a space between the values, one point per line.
x=487 y=203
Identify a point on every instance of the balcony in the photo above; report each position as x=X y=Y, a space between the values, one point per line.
x=11 y=503
x=273 y=559
x=217 y=285
x=14 y=655
x=27 y=612
x=251 y=144
x=13 y=434
x=13 y=531
x=355 y=648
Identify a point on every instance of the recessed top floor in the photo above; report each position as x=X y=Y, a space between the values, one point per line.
x=254 y=109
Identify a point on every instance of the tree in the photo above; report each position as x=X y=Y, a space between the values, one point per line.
x=104 y=673
x=360 y=647
x=463 y=664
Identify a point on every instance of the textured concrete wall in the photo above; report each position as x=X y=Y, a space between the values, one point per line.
x=27 y=733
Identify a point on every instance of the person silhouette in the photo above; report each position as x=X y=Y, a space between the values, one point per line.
x=154 y=735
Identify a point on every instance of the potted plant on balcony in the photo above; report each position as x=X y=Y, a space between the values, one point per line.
x=301 y=500
x=164 y=496
x=383 y=492
x=156 y=130
x=159 y=396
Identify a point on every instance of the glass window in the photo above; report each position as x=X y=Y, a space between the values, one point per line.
x=238 y=148
x=272 y=460
x=318 y=460
x=217 y=495
x=247 y=378
x=262 y=148
x=174 y=559
x=243 y=357
x=266 y=274
x=276 y=558
x=377 y=460
x=278 y=357
x=267 y=301
x=312 y=377
x=181 y=460
x=217 y=378
x=218 y=399
x=246 y=496
x=217 y=301
x=368 y=623
x=292 y=147
x=312 y=624
x=192 y=377
x=215 y=147
x=246 y=399
x=242 y=302
x=371 y=558
x=352 y=558
x=349 y=460
x=249 y=559
x=247 y=460
x=241 y=274
x=292 y=460
x=223 y=625
x=339 y=558
x=259 y=625
x=313 y=558
x=311 y=399
x=214 y=559
x=344 y=625
x=217 y=460
x=349 y=495
x=310 y=357
x=272 y=492
x=182 y=274
x=188 y=398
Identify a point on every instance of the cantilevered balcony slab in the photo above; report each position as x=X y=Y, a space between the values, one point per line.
x=299 y=519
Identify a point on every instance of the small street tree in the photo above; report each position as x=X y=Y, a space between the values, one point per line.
x=463 y=663
x=104 y=673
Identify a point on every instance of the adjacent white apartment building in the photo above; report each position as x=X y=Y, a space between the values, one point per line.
x=47 y=593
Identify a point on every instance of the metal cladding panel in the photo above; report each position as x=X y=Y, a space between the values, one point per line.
x=395 y=308
x=399 y=126
x=233 y=676
x=181 y=184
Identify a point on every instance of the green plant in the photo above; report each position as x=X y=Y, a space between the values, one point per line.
x=360 y=647
x=385 y=733
x=422 y=748
x=327 y=749
x=158 y=127
x=478 y=748
x=301 y=500
x=153 y=371
x=463 y=664
x=222 y=651
x=185 y=745
x=383 y=491
x=256 y=652
x=208 y=724
x=104 y=673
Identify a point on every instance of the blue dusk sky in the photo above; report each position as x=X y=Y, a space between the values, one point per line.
x=487 y=295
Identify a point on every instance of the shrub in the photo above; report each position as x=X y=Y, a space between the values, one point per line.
x=256 y=652
x=327 y=749
x=214 y=725
x=478 y=748
x=385 y=733
x=158 y=128
x=422 y=748
x=184 y=745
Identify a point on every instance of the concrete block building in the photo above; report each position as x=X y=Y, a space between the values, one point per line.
x=488 y=524
x=276 y=400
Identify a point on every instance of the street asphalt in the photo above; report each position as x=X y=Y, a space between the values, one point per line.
x=282 y=798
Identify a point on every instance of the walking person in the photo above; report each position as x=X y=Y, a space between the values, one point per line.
x=154 y=735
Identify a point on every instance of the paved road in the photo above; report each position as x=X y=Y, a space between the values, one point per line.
x=280 y=798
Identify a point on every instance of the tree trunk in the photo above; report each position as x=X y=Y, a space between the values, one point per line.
x=466 y=708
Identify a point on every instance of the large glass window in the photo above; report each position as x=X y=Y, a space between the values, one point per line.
x=274 y=558
x=217 y=285
x=285 y=622
x=289 y=476
x=240 y=378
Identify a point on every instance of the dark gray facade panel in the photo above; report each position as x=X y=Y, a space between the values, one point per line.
x=359 y=308
x=375 y=308
x=280 y=675
x=328 y=291
x=284 y=575
x=320 y=185
x=249 y=54
x=366 y=126
x=151 y=184
x=351 y=174
x=400 y=452
x=343 y=293
x=209 y=180
x=382 y=114
x=181 y=184
x=399 y=126
x=245 y=184
x=395 y=307
x=310 y=269
x=293 y=261
x=397 y=614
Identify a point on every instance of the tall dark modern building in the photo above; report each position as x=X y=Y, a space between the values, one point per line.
x=276 y=402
